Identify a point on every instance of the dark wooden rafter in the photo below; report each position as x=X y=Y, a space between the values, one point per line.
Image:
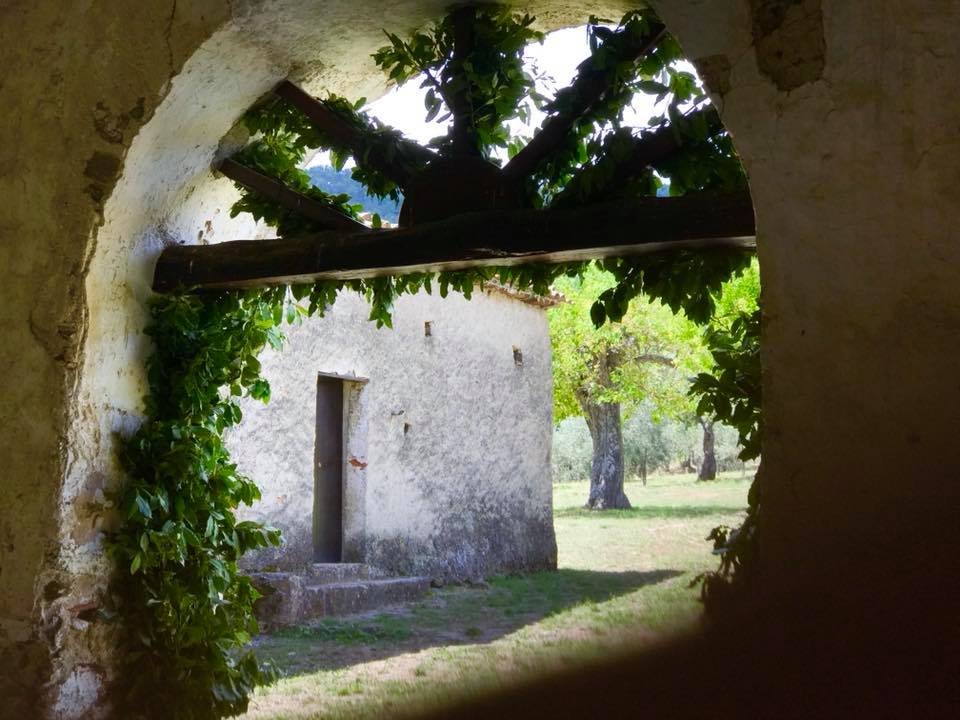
x=498 y=238
x=654 y=147
x=588 y=88
x=287 y=197
x=492 y=229
x=649 y=150
x=343 y=134
x=464 y=135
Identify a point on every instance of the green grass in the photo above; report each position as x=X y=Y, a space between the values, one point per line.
x=622 y=581
x=383 y=628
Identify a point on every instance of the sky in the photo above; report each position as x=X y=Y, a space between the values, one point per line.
x=557 y=58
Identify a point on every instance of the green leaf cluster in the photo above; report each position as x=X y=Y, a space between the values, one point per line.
x=187 y=610
x=731 y=393
x=282 y=138
x=646 y=355
x=487 y=86
x=613 y=62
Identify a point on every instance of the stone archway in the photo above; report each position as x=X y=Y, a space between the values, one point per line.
x=849 y=148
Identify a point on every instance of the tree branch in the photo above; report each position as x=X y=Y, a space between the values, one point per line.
x=464 y=135
x=291 y=199
x=649 y=150
x=655 y=359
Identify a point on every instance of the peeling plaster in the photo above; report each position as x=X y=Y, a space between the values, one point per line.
x=789 y=42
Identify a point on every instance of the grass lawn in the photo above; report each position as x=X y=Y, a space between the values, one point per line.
x=622 y=581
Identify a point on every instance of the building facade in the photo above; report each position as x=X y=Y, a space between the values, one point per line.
x=421 y=449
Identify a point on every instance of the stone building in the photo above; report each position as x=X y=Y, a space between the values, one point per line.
x=422 y=449
x=114 y=112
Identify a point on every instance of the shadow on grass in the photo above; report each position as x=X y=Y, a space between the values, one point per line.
x=450 y=616
x=647 y=512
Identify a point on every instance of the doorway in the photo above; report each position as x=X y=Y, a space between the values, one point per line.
x=328 y=472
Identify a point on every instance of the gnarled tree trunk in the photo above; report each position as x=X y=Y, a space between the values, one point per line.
x=708 y=468
x=606 y=472
x=603 y=420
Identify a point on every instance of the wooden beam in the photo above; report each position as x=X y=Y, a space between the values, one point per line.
x=508 y=237
x=587 y=88
x=465 y=141
x=648 y=150
x=662 y=143
x=289 y=198
x=345 y=135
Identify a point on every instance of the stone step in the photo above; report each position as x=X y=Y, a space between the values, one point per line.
x=293 y=599
x=322 y=573
x=347 y=598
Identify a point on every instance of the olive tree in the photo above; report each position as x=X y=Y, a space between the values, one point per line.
x=603 y=373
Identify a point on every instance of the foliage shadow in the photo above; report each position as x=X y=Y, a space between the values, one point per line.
x=457 y=615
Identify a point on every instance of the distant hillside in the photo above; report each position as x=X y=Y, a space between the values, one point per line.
x=336 y=182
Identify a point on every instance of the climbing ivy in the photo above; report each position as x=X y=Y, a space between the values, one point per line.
x=731 y=393
x=187 y=609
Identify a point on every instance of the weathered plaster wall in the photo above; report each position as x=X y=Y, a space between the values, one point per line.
x=78 y=83
x=853 y=149
x=447 y=447
x=836 y=109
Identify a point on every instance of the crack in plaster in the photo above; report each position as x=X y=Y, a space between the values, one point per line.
x=168 y=36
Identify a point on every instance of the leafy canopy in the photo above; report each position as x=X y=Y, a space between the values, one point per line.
x=488 y=86
x=647 y=355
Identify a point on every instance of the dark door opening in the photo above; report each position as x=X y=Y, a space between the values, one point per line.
x=328 y=472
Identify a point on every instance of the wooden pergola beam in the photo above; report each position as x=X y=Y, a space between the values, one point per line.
x=289 y=198
x=649 y=150
x=498 y=238
x=655 y=147
x=343 y=134
x=588 y=88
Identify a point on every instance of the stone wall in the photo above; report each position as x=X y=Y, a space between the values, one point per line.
x=115 y=110
x=446 y=446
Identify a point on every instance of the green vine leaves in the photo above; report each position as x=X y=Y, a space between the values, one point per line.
x=188 y=613
x=486 y=86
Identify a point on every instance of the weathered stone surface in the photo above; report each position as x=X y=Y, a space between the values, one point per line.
x=788 y=40
x=297 y=598
x=323 y=573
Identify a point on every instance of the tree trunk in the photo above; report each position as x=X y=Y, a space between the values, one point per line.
x=708 y=468
x=606 y=472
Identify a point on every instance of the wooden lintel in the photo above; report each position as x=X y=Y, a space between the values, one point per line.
x=496 y=238
x=289 y=198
